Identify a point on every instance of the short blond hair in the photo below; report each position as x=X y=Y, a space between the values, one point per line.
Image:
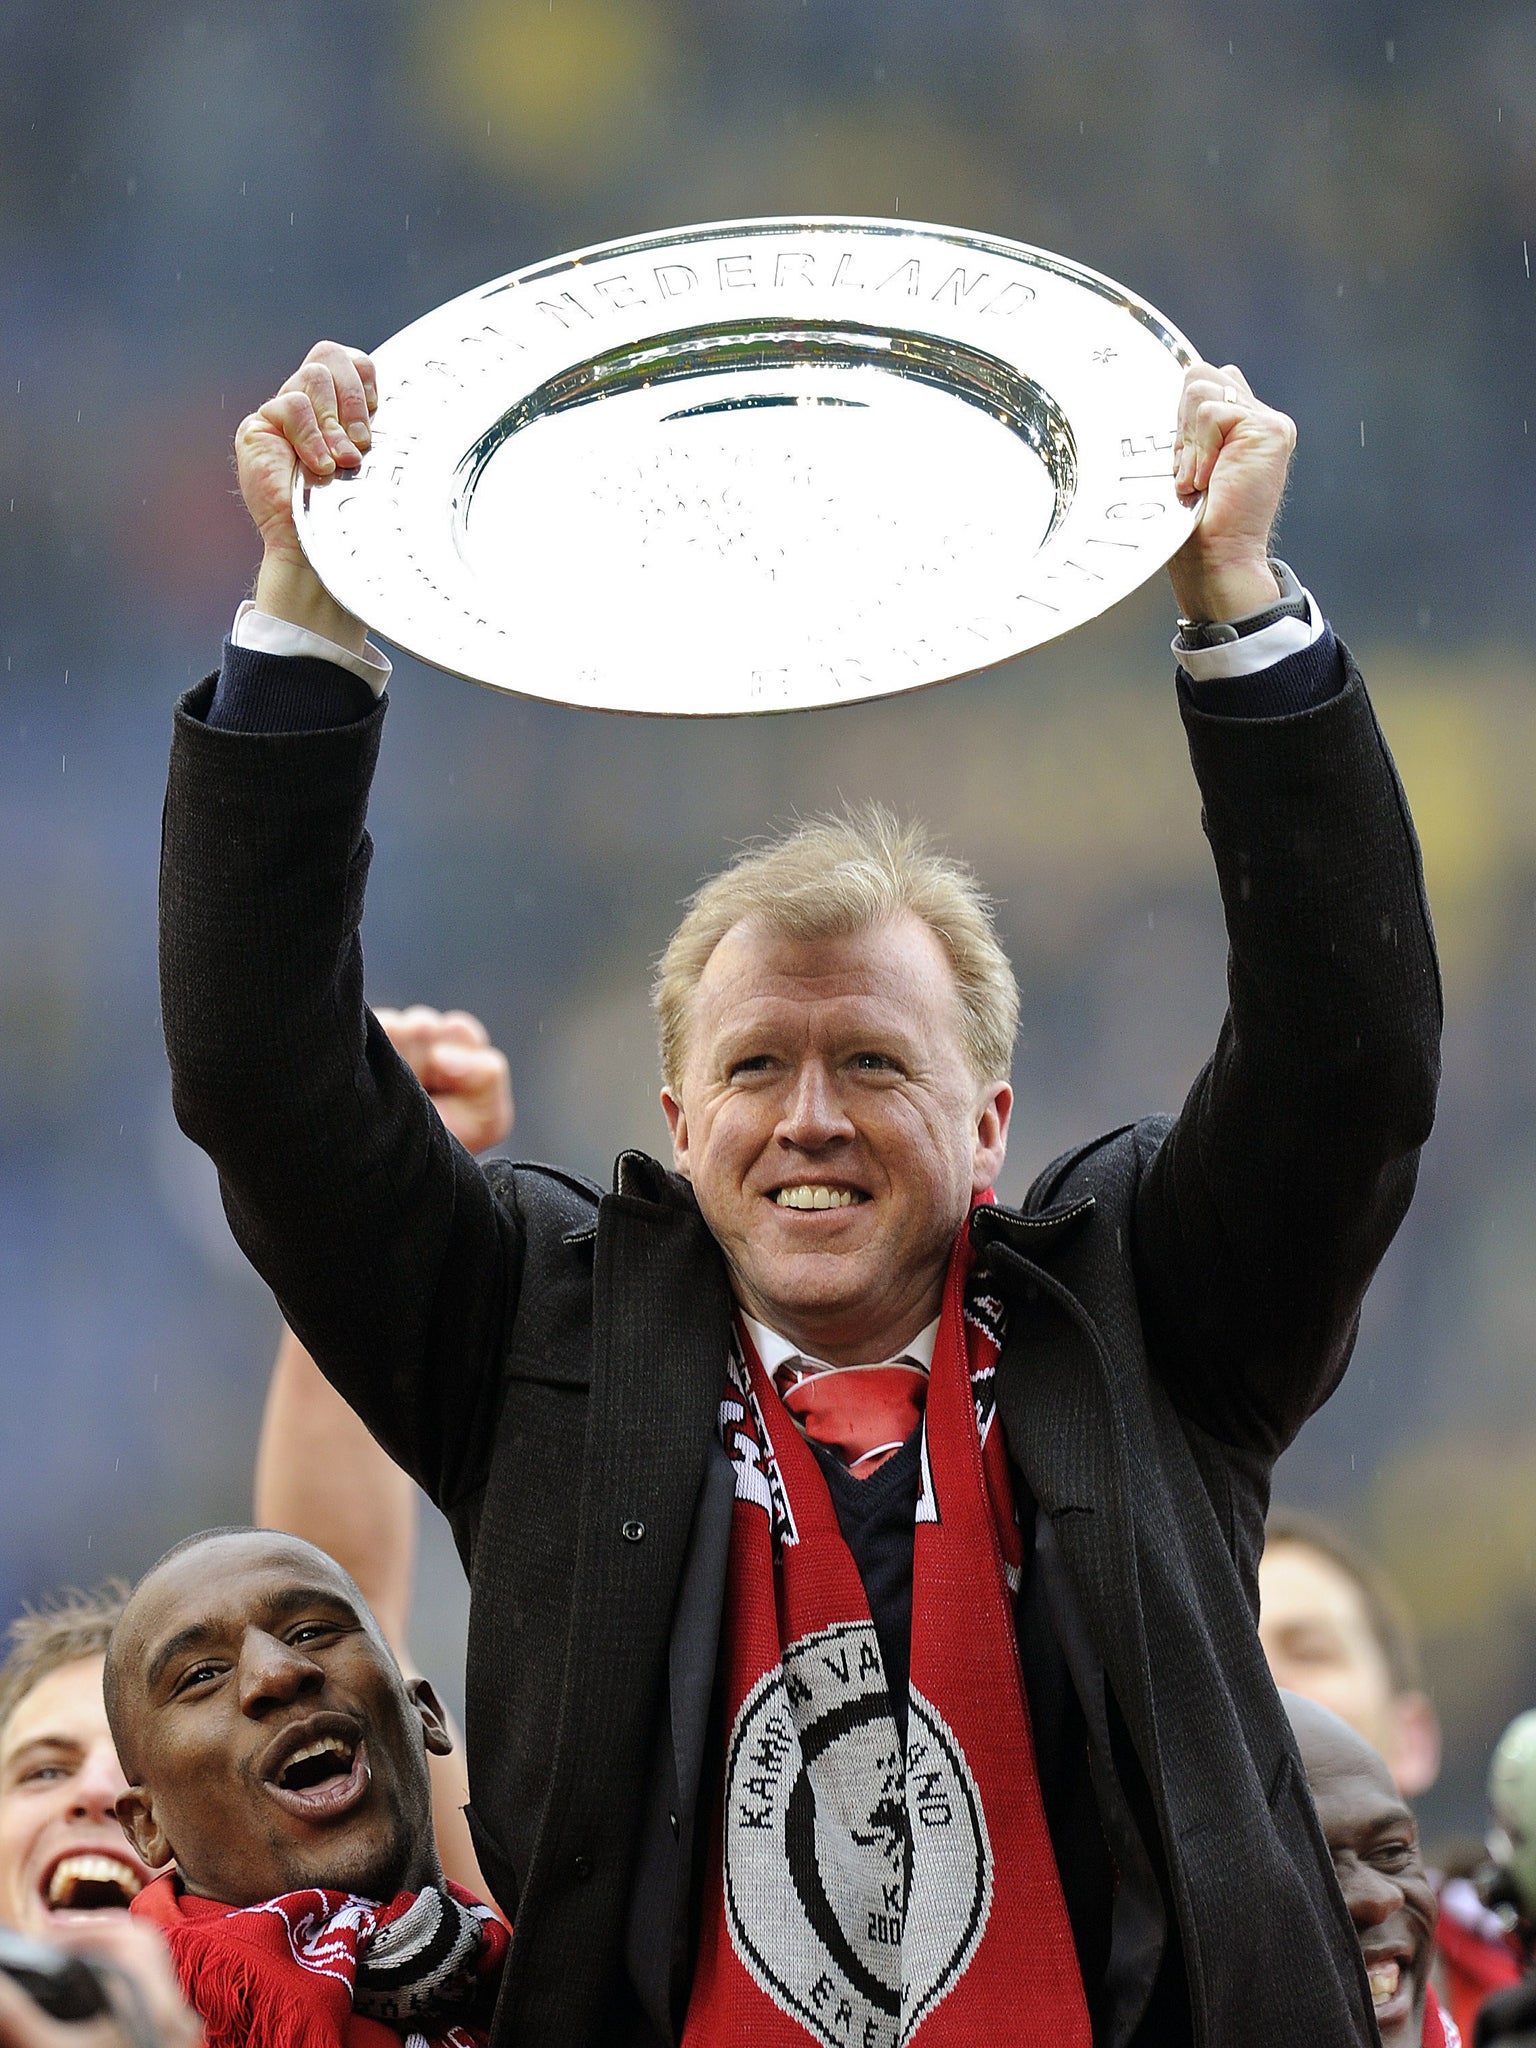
x=66 y=1628
x=830 y=877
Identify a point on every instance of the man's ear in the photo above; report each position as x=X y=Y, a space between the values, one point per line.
x=993 y=1110
x=434 y=1722
x=677 y=1123
x=136 y=1817
x=1415 y=1759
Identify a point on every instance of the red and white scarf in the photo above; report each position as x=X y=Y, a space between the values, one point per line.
x=1440 y=2030
x=863 y=1895
x=321 y=1969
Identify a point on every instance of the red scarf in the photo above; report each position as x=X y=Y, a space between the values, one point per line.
x=861 y=1896
x=307 y=1970
x=1476 y=1956
x=1440 y=2030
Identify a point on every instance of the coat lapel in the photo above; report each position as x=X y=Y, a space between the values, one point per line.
x=661 y=1320
x=661 y=1327
x=1065 y=1432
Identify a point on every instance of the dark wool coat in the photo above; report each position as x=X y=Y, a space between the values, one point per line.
x=547 y=1361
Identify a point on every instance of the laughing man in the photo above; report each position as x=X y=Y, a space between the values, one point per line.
x=278 y=1759
x=862 y=1636
x=1373 y=1839
x=62 y=1853
x=67 y=1875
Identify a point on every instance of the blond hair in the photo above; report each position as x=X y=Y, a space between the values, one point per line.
x=833 y=876
x=68 y=1627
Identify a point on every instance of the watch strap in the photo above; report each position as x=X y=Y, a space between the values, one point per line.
x=1291 y=604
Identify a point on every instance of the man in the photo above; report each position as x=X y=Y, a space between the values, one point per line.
x=1334 y=1629
x=1374 y=1842
x=66 y=1873
x=277 y=1756
x=62 y=1853
x=761 y=1748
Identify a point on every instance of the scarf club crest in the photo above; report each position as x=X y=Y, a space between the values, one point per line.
x=870 y=1891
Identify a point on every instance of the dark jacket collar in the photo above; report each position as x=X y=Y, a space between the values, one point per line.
x=1028 y=1232
x=637 y=1177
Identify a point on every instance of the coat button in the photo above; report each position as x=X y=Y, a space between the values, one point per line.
x=583 y=1867
x=676 y=1829
x=633 y=1531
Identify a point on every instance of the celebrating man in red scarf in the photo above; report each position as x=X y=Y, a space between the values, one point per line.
x=1374 y=1841
x=864 y=1572
x=277 y=1756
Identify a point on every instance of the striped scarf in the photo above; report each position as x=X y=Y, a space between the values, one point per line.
x=861 y=1891
x=322 y=1969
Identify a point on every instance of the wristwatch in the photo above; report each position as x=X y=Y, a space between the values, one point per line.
x=1291 y=604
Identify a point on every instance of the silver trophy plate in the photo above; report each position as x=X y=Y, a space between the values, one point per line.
x=759 y=465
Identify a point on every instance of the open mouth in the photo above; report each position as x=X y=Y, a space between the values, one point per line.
x=319 y=1775
x=90 y=1880
x=818 y=1195
x=1392 y=1989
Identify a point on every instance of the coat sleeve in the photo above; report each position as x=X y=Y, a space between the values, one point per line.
x=379 y=1235
x=1266 y=1208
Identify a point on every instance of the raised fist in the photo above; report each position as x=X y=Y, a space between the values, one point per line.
x=452 y=1056
x=318 y=420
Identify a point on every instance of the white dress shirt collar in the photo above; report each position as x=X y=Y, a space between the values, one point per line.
x=775 y=1350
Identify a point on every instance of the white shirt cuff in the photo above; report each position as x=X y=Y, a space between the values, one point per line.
x=266 y=635
x=1258 y=651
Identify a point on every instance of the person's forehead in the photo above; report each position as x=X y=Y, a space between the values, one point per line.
x=1299 y=1583
x=65 y=1707
x=900 y=961
x=230 y=1581
x=1355 y=1796
x=1351 y=1783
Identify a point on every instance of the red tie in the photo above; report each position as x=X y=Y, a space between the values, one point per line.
x=863 y=1412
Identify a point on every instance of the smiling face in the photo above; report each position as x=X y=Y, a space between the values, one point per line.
x=833 y=1131
x=272 y=1741
x=62 y=1852
x=1374 y=1841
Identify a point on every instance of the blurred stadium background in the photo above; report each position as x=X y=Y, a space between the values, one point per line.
x=1340 y=199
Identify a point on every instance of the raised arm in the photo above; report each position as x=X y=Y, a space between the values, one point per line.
x=320 y=1475
x=377 y=1233
x=1265 y=1210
